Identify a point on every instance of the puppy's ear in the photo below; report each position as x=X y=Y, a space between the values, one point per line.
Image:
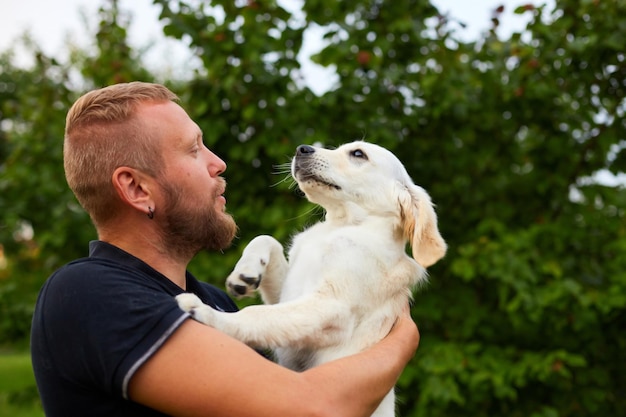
x=419 y=223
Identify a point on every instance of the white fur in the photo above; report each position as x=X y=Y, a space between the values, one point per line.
x=348 y=277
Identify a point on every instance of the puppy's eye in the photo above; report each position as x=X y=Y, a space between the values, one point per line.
x=357 y=153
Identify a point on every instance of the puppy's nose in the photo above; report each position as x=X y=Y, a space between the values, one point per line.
x=304 y=150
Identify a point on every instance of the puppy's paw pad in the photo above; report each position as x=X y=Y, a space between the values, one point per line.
x=241 y=285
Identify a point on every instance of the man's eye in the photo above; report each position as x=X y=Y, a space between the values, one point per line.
x=357 y=153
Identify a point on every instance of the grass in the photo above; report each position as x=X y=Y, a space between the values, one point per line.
x=18 y=392
x=16 y=372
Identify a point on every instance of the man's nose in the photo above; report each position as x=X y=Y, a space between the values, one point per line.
x=216 y=165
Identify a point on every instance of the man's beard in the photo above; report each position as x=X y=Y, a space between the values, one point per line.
x=188 y=228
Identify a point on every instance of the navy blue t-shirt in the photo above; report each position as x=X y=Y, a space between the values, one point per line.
x=97 y=320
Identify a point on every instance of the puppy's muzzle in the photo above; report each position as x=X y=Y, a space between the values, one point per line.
x=308 y=167
x=302 y=161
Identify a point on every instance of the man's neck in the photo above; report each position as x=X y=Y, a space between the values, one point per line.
x=150 y=250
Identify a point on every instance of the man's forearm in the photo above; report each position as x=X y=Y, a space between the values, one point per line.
x=355 y=385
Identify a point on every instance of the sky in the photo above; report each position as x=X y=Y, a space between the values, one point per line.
x=52 y=23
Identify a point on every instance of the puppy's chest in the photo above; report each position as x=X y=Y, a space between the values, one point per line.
x=320 y=254
x=308 y=257
x=318 y=247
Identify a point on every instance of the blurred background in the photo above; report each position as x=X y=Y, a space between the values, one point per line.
x=510 y=114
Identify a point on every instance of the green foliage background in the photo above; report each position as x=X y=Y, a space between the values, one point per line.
x=526 y=315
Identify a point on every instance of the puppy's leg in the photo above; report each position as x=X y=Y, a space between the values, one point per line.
x=312 y=322
x=195 y=307
x=262 y=266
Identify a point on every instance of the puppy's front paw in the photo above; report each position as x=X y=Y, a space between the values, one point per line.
x=188 y=302
x=246 y=277
x=196 y=308
x=241 y=285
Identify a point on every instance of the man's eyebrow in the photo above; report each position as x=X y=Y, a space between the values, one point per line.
x=194 y=139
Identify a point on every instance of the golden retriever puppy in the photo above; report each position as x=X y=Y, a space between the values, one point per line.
x=346 y=278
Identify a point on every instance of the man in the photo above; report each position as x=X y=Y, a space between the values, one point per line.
x=108 y=338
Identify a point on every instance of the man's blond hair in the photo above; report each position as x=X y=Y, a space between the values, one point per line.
x=102 y=133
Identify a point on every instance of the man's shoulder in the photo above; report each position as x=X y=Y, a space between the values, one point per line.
x=84 y=279
x=88 y=270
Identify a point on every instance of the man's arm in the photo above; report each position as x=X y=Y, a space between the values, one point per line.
x=202 y=372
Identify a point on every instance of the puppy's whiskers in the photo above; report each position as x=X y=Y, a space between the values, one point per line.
x=313 y=210
x=283 y=169
x=286 y=179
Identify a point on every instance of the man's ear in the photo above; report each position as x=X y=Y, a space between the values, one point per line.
x=134 y=188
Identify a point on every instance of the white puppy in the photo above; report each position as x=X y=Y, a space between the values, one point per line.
x=348 y=277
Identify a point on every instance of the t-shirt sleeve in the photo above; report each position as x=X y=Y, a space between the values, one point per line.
x=102 y=326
